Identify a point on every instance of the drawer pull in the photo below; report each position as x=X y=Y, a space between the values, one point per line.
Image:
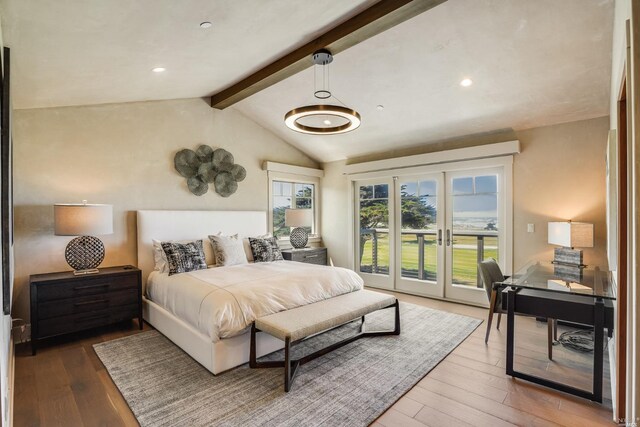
x=311 y=256
x=80 y=288
x=88 y=318
x=97 y=301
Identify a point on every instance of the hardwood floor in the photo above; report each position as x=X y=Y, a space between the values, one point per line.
x=65 y=384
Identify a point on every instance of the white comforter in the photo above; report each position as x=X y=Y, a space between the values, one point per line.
x=222 y=302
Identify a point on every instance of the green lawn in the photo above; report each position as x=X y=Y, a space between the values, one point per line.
x=465 y=261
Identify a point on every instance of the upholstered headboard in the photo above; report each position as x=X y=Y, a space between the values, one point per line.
x=178 y=225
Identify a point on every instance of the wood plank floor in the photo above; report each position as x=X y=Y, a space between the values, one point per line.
x=65 y=384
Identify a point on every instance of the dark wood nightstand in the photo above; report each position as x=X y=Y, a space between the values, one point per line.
x=308 y=255
x=62 y=303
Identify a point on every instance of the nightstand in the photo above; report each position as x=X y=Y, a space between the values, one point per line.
x=308 y=255
x=62 y=303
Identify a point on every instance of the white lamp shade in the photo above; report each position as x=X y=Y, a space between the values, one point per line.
x=82 y=220
x=571 y=234
x=298 y=217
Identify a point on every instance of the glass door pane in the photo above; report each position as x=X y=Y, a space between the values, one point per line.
x=420 y=234
x=473 y=230
x=375 y=220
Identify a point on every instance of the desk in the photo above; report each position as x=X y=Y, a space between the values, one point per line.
x=576 y=295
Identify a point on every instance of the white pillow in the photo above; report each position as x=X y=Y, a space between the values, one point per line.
x=247 y=246
x=228 y=250
x=160 y=258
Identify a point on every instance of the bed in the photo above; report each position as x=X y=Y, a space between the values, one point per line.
x=208 y=312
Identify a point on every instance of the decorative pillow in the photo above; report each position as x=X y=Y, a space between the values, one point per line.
x=184 y=257
x=247 y=246
x=160 y=258
x=228 y=250
x=265 y=250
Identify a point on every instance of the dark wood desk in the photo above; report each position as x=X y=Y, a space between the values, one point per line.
x=584 y=297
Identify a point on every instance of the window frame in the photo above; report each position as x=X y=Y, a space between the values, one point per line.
x=315 y=236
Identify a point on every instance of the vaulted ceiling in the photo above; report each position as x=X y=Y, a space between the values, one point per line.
x=532 y=63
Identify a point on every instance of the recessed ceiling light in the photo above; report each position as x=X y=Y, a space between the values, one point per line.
x=206 y=24
x=159 y=70
x=380 y=107
x=466 y=82
x=327 y=122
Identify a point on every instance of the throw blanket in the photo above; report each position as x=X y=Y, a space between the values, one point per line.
x=222 y=302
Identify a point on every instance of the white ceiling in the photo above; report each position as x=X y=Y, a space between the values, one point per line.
x=533 y=63
x=79 y=52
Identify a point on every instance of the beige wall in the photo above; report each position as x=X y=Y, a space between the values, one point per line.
x=559 y=175
x=622 y=12
x=122 y=154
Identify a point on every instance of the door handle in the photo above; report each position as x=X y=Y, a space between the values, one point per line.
x=448 y=237
x=440 y=237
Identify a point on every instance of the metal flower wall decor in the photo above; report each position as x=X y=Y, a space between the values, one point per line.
x=208 y=166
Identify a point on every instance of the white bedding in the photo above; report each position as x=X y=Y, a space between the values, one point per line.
x=222 y=302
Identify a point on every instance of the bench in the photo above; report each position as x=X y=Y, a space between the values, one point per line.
x=293 y=326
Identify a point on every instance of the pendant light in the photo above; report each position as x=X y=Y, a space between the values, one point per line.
x=322 y=119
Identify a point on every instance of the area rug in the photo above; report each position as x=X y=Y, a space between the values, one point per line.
x=351 y=386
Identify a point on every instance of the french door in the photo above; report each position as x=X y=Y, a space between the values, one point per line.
x=375 y=218
x=419 y=234
x=424 y=233
x=474 y=230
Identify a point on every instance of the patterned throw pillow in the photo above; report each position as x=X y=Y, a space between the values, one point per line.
x=265 y=250
x=160 y=258
x=228 y=250
x=184 y=257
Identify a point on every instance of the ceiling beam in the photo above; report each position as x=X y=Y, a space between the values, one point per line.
x=374 y=20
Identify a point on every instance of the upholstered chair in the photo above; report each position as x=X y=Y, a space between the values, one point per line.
x=492 y=276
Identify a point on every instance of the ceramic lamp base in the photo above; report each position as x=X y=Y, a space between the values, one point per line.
x=299 y=238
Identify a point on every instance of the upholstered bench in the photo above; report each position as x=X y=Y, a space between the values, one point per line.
x=293 y=326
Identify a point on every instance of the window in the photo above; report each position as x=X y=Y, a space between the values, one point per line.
x=293 y=187
x=291 y=195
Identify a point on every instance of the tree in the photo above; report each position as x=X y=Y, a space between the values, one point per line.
x=374 y=213
x=491 y=226
x=415 y=210
x=304 y=200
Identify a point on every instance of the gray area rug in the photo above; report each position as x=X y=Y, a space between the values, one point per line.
x=351 y=386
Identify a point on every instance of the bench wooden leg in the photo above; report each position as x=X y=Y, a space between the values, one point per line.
x=253 y=353
x=291 y=365
x=396 y=330
x=252 y=350
x=287 y=364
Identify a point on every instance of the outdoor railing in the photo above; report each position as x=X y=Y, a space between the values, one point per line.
x=432 y=235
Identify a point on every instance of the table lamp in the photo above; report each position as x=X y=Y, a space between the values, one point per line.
x=84 y=253
x=570 y=235
x=298 y=218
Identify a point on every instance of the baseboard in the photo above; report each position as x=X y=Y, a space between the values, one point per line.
x=415 y=294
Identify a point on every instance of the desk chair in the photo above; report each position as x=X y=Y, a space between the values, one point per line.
x=492 y=278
